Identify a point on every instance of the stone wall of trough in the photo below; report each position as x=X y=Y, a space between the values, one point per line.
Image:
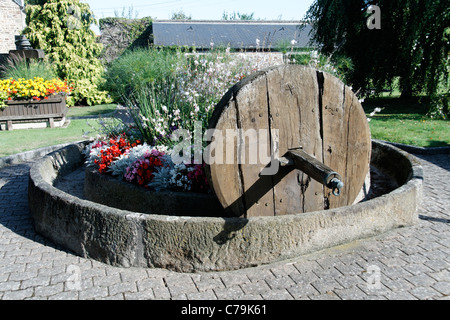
x=186 y=244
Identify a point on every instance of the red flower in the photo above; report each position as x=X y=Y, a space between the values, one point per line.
x=117 y=147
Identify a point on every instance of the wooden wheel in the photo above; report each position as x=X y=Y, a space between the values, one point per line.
x=298 y=108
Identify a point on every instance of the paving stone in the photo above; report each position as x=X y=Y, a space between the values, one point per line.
x=329 y=295
x=326 y=286
x=9 y=286
x=398 y=284
x=302 y=291
x=353 y=293
x=424 y=293
x=234 y=278
x=256 y=287
x=149 y=283
x=161 y=293
x=229 y=293
x=205 y=282
x=34 y=282
x=443 y=275
x=414 y=262
x=106 y=281
x=400 y=295
x=179 y=284
x=93 y=293
x=277 y=294
x=280 y=282
x=421 y=280
x=443 y=287
x=67 y=295
x=203 y=295
x=141 y=295
x=122 y=288
x=48 y=290
x=304 y=278
x=18 y=294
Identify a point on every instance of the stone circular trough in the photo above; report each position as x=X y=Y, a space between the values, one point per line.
x=188 y=244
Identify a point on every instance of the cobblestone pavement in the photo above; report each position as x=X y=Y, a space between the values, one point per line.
x=408 y=263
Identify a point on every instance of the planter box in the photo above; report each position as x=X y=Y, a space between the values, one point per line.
x=34 y=111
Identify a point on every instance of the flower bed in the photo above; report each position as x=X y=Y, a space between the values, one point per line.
x=33 y=100
x=144 y=165
x=36 y=89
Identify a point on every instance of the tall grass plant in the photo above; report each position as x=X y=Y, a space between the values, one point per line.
x=18 y=67
x=177 y=89
x=137 y=69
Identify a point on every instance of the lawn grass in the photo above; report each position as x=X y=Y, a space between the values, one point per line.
x=91 y=111
x=405 y=121
x=399 y=121
x=16 y=141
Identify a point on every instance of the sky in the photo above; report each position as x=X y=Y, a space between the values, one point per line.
x=202 y=9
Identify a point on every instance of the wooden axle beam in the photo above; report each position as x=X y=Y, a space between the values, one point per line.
x=313 y=168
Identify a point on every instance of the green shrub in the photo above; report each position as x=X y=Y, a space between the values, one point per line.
x=338 y=66
x=62 y=29
x=439 y=106
x=138 y=68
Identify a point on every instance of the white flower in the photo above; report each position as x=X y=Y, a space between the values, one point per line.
x=293 y=42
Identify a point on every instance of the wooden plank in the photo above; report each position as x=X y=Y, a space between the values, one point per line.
x=335 y=117
x=359 y=146
x=310 y=130
x=36 y=110
x=224 y=177
x=32 y=117
x=285 y=108
x=253 y=115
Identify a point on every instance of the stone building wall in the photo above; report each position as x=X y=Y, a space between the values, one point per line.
x=12 y=22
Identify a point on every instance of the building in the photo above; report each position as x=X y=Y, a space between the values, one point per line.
x=248 y=35
x=12 y=22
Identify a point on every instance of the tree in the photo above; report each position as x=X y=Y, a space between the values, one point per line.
x=180 y=15
x=238 y=16
x=62 y=29
x=412 y=43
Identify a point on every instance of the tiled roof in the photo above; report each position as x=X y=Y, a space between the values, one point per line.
x=236 y=34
